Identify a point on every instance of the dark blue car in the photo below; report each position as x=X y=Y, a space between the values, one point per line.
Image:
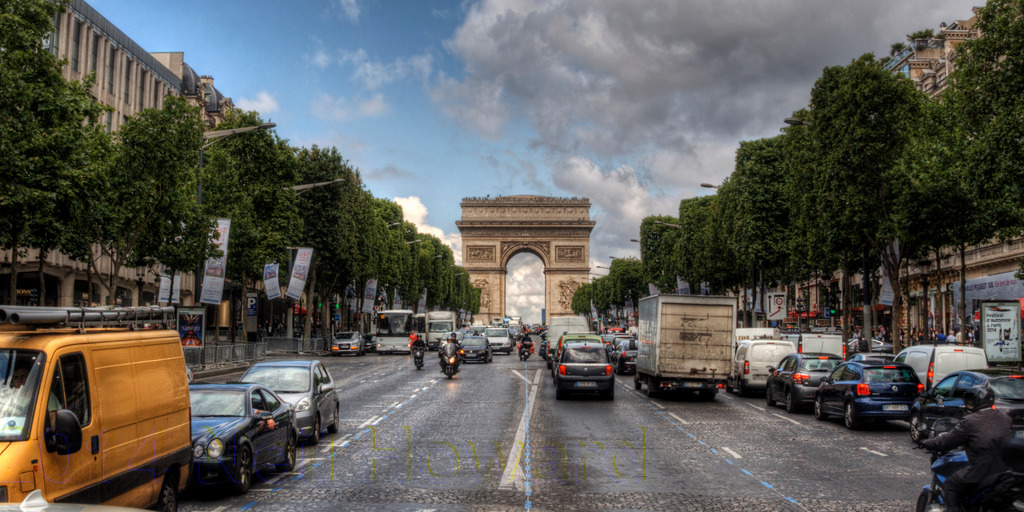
x=867 y=390
x=238 y=430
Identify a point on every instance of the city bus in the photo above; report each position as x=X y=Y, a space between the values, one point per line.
x=391 y=330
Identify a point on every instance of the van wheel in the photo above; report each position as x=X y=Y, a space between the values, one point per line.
x=288 y=464
x=333 y=427
x=743 y=391
x=168 y=499
x=637 y=383
x=243 y=477
x=652 y=385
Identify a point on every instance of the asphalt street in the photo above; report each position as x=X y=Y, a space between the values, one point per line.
x=495 y=438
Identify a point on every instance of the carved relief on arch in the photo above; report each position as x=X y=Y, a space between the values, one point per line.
x=543 y=249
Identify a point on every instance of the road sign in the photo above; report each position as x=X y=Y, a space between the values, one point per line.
x=777 y=306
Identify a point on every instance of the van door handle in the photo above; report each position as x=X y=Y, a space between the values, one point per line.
x=95 y=444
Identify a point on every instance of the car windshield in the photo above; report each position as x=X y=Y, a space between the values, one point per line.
x=627 y=344
x=894 y=374
x=585 y=355
x=816 y=365
x=474 y=342
x=497 y=332
x=440 y=326
x=1008 y=388
x=346 y=336
x=217 y=402
x=282 y=379
x=20 y=372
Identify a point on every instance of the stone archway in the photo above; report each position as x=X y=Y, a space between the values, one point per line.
x=556 y=230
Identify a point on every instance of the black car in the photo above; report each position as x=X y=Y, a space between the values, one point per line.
x=868 y=390
x=476 y=348
x=945 y=399
x=239 y=430
x=623 y=354
x=584 y=367
x=797 y=378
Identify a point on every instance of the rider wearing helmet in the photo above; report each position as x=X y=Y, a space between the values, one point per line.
x=416 y=342
x=981 y=433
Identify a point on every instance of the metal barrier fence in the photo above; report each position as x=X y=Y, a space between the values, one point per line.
x=209 y=355
x=295 y=345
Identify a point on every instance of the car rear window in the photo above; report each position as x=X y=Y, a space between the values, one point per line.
x=585 y=355
x=889 y=375
x=1008 y=388
x=629 y=344
x=474 y=342
x=825 y=365
x=772 y=352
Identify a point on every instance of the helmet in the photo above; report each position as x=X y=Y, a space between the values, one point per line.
x=978 y=397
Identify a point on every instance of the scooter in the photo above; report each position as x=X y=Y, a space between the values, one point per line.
x=450 y=359
x=417 y=358
x=999 y=492
x=525 y=350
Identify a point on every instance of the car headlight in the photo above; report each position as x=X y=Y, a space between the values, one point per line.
x=215 y=448
x=197 y=451
x=303 y=405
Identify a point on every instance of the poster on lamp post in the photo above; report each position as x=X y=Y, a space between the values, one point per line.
x=176 y=289
x=191 y=326
x=213 y=274
x=164 y=294
x=1000 y=331
x=300 y=271
x=270 y=281
x=369 y=296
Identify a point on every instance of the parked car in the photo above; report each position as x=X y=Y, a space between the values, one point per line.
x=867 y=391
x=500 y=339
x=945 y=399
x=477 y=348
x=368 y=345
x=543 y=349
x=872 y=356
x=751 y=362
x=347 y=343
x=609 y=341
x=623 y=354
x=308 y=387
x=795 y=382
x=583 y=366
x=934 y=362
x=237 y=431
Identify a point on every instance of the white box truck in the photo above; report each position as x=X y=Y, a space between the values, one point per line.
x=685 y=343
x=438 y=323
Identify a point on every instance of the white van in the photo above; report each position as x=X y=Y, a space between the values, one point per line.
x=818 y=343
x=933 y=362
x=751 y=362
x=560 y=325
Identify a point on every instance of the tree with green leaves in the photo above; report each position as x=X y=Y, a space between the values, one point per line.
x=50 y=137
x=657 y=244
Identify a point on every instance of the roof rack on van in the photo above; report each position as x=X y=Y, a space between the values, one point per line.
x=33 y=315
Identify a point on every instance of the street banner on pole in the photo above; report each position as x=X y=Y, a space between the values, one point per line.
x=300 y=271
x=422 y=306
x=165 y=289
x=1000 y=331
x=777 y=306
x=682 y=287
x=705 y=288
x=213 y=275
x=396 y=299
x=176 y=289
x=886 y=294
x=369 y=296
x=652 y=290
x=270 y=281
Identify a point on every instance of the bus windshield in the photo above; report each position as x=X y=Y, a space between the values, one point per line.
x=394 y=324
x=20 y=372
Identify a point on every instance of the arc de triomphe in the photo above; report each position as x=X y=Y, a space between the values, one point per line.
x=555 y=229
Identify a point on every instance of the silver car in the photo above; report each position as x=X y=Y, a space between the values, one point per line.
x=347 y=343
x=308 y=387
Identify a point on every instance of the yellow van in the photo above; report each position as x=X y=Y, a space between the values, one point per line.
x=91 y=414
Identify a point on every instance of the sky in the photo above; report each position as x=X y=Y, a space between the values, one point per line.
x=630 y=103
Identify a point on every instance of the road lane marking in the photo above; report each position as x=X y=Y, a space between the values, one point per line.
x=791 y=420
x=758 y=407
x=520 y=376
x=293 y=472
x=657 y=404
x=536 y=378
x=680 y=420
x=336 y=442
x=392 y=405
x=730 y=452
x=375 y=423
x=511 y=478
x=367 y=422
x=880 y=454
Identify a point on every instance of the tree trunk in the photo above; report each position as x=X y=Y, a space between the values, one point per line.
x=962 y=307
x=245 y=318
x=307 y=328
x=847 y=303
x=14 y=270
x=938 y=290
x=42 y=280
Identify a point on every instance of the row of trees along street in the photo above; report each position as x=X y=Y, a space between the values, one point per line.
x=872 y=174
x=131 y=196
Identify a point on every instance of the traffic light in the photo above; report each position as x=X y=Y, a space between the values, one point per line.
x=833 y=303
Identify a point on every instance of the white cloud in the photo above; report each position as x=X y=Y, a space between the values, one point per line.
x=375 y=74
x=321 y=59
x=264 y=103
x=524 y=287
x=330 y=108
x=414 y=211
x=350 y=8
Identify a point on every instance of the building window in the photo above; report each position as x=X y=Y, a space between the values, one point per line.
x=110 y=70
x=95 y=52
x=51 y=41
x=76 y=38
x=142 y=89
x=156 y=94
x=127 y=78
x=110 y=121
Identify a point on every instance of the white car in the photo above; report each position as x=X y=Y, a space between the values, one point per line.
x=500 y=339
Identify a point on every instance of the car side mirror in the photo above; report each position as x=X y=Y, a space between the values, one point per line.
x=771 y=369
x=65 y=437
x=326 y=388
x=264 y=416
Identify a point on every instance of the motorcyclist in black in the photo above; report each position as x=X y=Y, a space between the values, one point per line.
x=982 y=433
x=526 y=342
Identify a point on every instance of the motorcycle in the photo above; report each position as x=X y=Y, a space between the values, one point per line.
x=997 y=493
x=525 y=349
x=450 y=359
x=417 y=358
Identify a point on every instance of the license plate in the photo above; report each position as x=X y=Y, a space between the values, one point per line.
x=894 y=407
x=1019 y=433
x=586 y=384
x=693 y=385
